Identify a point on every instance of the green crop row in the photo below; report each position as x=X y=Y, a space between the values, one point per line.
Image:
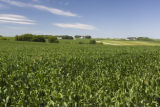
x=37 y=74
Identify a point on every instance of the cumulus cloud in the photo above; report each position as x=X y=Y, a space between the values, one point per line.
x=12 y=18
x=75 y=26
x=40 y=7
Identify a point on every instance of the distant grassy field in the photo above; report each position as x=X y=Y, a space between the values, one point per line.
x=129 y=42
x=69 y=74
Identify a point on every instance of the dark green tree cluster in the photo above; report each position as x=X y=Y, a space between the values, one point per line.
x=57 y=36
x=30 y=37
x=140 y=38
x=38 y=39
x=66 y=37
x=144 y=39
x=4 y=38
x=87 y=37
x=53 y=39
x=77 y=36
x=92 y=41
x=48 y=36
x=82 y=37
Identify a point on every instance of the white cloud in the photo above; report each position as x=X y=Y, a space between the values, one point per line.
x=54 y=10
x=40 y=7
x=12 y=18
x=75 y=26
x=15 y=3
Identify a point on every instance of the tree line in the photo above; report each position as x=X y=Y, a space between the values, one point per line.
x=30 y=37
x=140 y=38
x=41 y=38
x=82 y=37
x=51 y=38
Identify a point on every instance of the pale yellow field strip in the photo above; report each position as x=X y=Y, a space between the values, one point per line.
x=123 y=43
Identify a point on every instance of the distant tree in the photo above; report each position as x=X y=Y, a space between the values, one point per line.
x=87 y=37
x=27 y=37
x=83 y=37
x=131 y=38
x=38 y=38
x=144 y=39
x=46 y=36
x=92 y=41
x=1 y=36
x=17 y=38
x=53 y=40
x=4 y=38
x=67 y=37
x=77 y=36
x=24 y=37
x=30 y=37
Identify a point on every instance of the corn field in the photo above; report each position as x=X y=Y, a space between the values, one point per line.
x=79 y=75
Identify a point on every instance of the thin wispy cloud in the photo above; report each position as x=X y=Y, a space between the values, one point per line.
x=12 y=18
x=54 y=10
x=40 y=7
x=15 y=3
x=75 y=26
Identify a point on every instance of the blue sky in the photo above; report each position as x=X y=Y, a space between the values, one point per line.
x=99 y=18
